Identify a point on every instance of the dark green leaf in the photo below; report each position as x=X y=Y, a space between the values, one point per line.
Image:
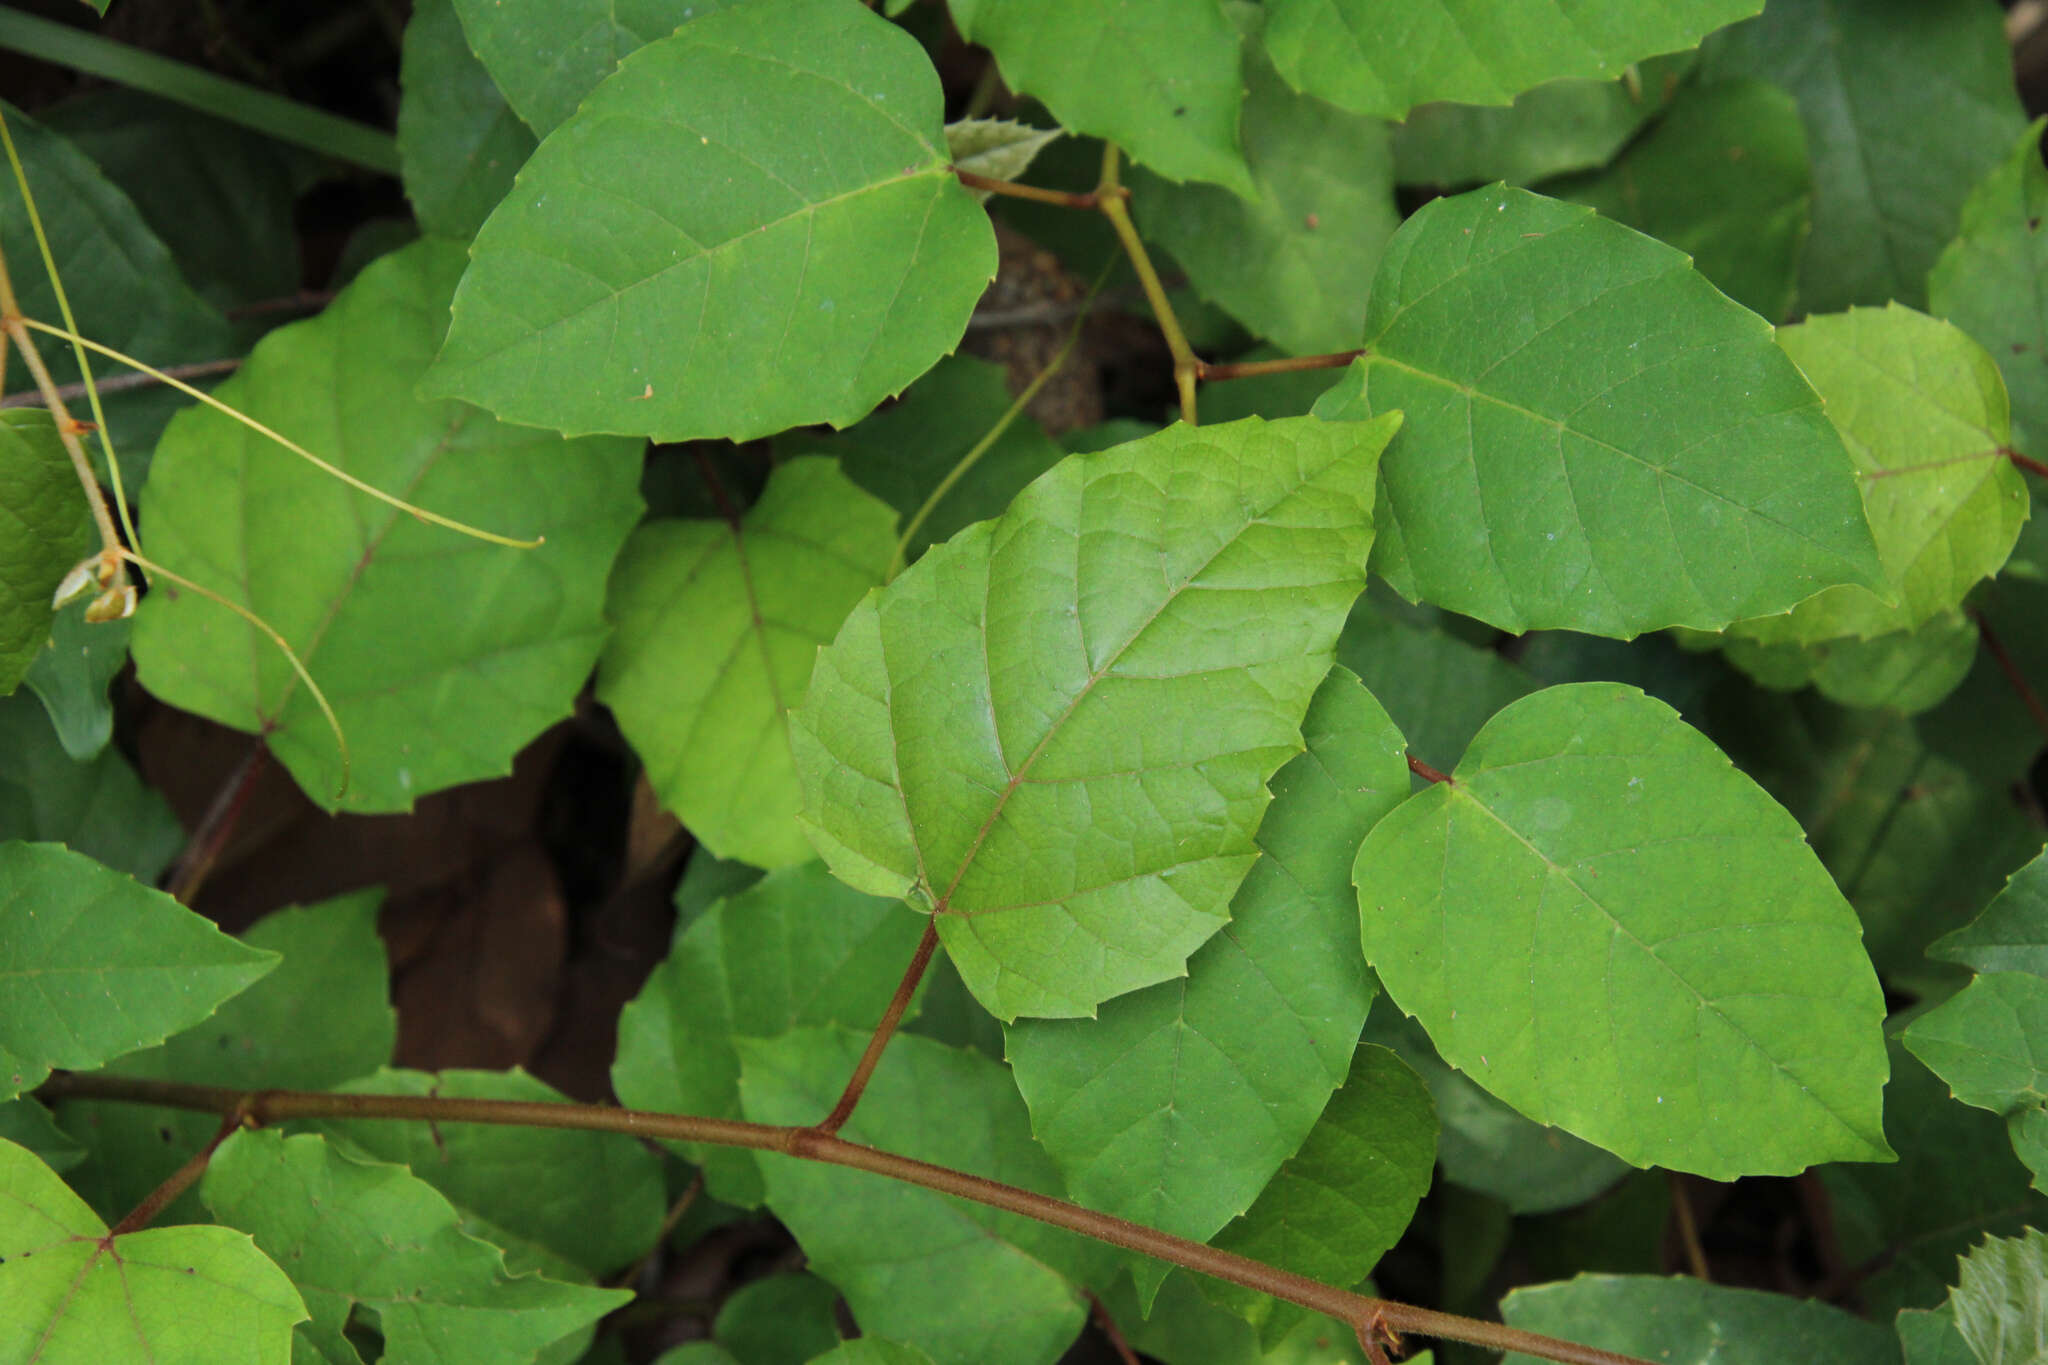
x=49 y=529
x=94 y=965
x=1158 y=77
x=26 y=1123
x=780 y=1320
x=1907 y=671
x=1137 y=638
x=1906 y=103
x=1438 y=688
x=2000 y=1303
x=1989 y=1041
x=1186 y=1329
x=673 y=263
x=459 y=143
x=441 y=654
x=1685 y=1322
x=1597 y=870
x=1596 y=438
x=100 y=809
x=1931 y=1338
x=1723 y=177
x=796 y=950
x=2012 y=933
x=71 y=675
x=718 y=625
x=1383 y=57
x=1175 y=1105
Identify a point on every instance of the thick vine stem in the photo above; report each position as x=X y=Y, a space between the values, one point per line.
x=808 y=1144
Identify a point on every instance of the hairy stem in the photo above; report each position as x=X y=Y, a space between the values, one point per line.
x=884 y=1031
x=1110 y=194
x=808 y=1144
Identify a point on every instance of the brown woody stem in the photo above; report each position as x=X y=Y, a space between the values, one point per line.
x=1066 y=199
x=884 y=1031
x=2028 y=463
x=180 y=1180
x=808 y=1144
x=1245 y=369
x=1424 y=771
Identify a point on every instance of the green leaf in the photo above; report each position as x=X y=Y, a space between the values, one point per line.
x=1923 y=413
x=1597 y=871
x=1186 y=1329
x=592 y=1199
x=2012 y=933
x=1683 y=1321
x=1907 y=671
x=360 y=1234
x=1345 y=1198
x=1553 y=129
x=442 y=655
x=74 y=1294
x=1383 y=57
x=93 y=964
x=937 y=1104
x=49 y=530
x=1175 y=1104
x=1596 y=438
x=1907 y=103
x=100 y=809
x=2029 y=1132
x=1989 y=1041
x=998 y=148
x=902 y=453
x=322 y=1017
x=459 y=143
x=131 y=295
x=548 y=57
x=71 y=676
x=1158 y=77
x=2000 y=1301
x=718 y=626
x=872 y=1351
x=1292 y=260
x=27 y=1124
x=1137 y=638
x=796 y=950
x=779 y=1320
x=1438 y=688
x=1984 y=281
x=1723 y=177
x=1931 y=1338
x=674 y=264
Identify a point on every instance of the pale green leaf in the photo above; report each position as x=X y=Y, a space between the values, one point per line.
x=100 y=809
x=674 y=263
x=1923 y=413
x=1985 y=281
x=1293 y=259
x=998 y=148
x=592 y=1199
x=459 y=143
x=2000 y=1301
x=1553 y=129
x=1175 y=1105
x=1596 y=438
x=322 y=1017
x=1158 y=77
x=361 y=1234
x=441 y=654
x=1682 y=1321
x=2012 y=933
x=93 y=964
x=1723 y=177
x=1906 y=104
x=71 y=676
x=76 y=1296
x=779 y=1320
x=718 y=625
x=1383 y=57
x=1907 y=671
x=48 y=530
x=1054 y=732
x=1989 y=1041
x=1596 y=870
x=1346 y=1197
x=937 y=1104
x=547 y=56
x=796 y=950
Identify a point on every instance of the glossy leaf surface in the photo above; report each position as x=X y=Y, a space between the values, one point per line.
x=1158 y=77
x=441 y=654
x=1136 y=639
x=1685 y=1322
x=718 y=626
x=1175 y=1105
x=1597 y=869
x=76 y=1296
x=359 y=1233
x=796 y=950
x=94 y=964
x=673 y=263
x=1596 y=438
x=939 y=1104
x=1382 y=57
x=1923 y=413
x=49 y=530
